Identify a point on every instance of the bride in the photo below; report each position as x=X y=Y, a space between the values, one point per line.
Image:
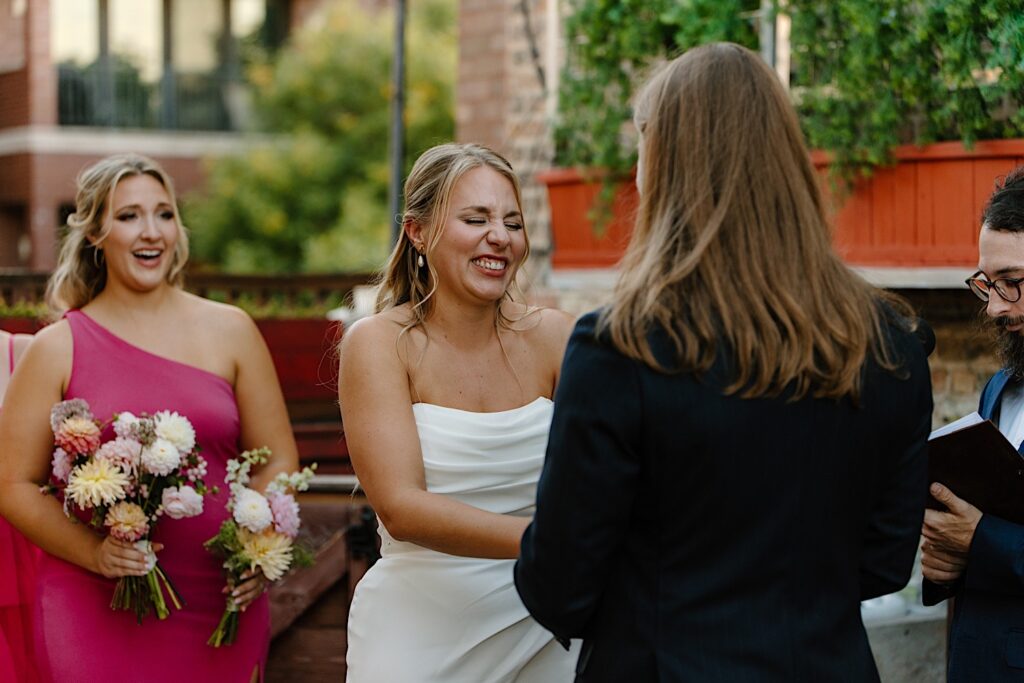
x=446 y=399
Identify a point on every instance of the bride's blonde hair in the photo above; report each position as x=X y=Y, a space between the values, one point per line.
x=428 y=192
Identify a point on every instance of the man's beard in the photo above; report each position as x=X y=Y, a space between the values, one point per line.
x=1010 y=345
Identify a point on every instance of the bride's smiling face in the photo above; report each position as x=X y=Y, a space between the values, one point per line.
x=483 y=241
x=139 y=233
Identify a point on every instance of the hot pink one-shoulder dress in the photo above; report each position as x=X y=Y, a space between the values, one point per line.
x=77 y=636
x=17 y=586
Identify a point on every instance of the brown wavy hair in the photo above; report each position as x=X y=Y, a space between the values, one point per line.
x=732 y=247
x=81 y=272
x=428 y=192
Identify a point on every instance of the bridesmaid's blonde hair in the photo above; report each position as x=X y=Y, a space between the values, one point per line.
x=81 y=272
x=428 y=192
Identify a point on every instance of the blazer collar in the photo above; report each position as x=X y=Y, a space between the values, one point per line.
x=993 y=394
x=992 y=398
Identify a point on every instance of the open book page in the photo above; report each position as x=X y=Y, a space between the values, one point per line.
x=955 y=426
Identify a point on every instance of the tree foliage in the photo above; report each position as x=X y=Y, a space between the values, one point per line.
x=867 y=74
x=611 y=45
x=314 y=198
x=878 y=74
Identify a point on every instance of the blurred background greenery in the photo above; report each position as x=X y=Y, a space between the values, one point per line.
x=312 y=195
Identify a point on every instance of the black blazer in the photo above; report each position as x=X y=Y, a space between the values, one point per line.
x=687 y=535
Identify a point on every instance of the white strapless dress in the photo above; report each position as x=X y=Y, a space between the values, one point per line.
x=420 y=616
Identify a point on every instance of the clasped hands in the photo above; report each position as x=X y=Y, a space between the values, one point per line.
x=947 y=536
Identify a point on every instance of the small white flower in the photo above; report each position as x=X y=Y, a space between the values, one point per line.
x=161 y=458
x=252 y=510
x=176 y=429
x=123 y=424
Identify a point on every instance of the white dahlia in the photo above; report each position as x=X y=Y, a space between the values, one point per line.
x=252 y=510
x=176 y=429
x=161 y=457
x=123 y=424
x=270 y=551
x=95 y=483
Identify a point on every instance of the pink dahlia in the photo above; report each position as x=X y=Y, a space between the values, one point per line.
x=78 y=436
x=61 y=465
x=286 y=513
x=123 y=452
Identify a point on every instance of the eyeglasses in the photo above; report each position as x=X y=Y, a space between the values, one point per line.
x=1008 y=288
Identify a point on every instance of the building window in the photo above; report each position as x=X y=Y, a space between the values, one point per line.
x=171 y=64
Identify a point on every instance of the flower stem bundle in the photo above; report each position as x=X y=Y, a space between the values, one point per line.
x=260 y=534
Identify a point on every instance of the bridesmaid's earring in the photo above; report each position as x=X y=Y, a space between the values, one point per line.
x=419 y=260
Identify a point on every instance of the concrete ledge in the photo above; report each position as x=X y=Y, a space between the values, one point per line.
x=916 y=278
x=890 y=278
x=910 y=649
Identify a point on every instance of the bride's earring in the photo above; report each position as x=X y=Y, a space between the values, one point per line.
x=419 y=260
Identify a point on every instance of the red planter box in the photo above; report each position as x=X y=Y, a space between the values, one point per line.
x=577 y=244
x=923 y=211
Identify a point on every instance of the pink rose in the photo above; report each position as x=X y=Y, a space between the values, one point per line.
x=286 y=513
x=181 y=502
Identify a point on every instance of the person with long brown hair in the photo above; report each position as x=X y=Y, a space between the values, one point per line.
x=446 y=398
x=738 y=452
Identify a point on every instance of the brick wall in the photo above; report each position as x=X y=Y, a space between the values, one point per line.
x=501 y=101
x=14 y=103
x=12 y=36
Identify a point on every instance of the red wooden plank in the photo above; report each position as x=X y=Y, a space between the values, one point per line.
x=953 y=202
x=892 y=215
x=857 y=211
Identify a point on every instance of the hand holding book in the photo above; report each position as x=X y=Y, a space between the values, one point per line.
x=974 y=460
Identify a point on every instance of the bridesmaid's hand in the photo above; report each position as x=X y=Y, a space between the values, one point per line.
x=252 y=586
x=115 y=558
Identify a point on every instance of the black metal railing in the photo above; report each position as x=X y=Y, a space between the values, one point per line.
x=288 y=291
x=111 y=92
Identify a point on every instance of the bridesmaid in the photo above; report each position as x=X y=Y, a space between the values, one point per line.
x=17 y=561
x=132 y=339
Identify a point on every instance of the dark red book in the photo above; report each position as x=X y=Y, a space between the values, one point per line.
x=974 y=460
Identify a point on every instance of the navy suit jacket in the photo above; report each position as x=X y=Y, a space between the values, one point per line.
x=987 y=638
x=690 y=535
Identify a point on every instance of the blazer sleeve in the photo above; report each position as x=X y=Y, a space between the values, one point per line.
x=586 y=488
x=995 y=562
x=894 y=523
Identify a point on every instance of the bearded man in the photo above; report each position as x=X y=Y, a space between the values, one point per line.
x=976 y=557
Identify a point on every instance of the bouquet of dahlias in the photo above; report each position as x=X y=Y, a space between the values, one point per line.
x=150 y=469
x=259 y=534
